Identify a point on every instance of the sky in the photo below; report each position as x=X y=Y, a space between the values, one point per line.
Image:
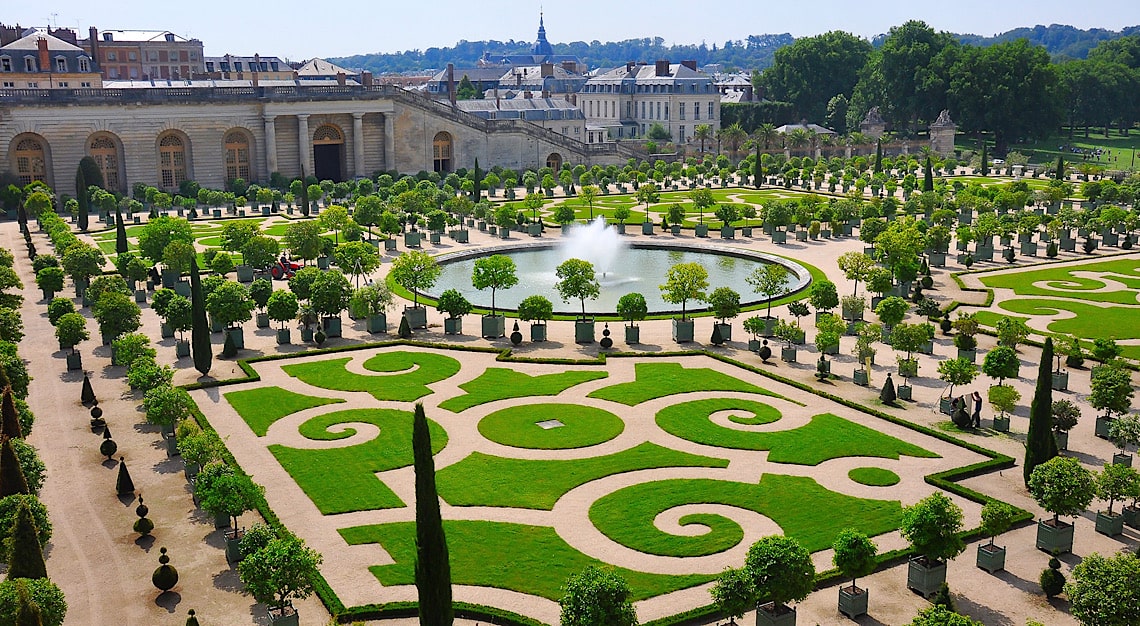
x=297 y=31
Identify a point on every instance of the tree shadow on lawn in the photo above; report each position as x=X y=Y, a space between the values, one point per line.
x=1031 y=587
x=168 y=600
x=228 y=580
x=1084 y=457
x=984 y=614
x=259 y=613
x=170 y=465
x=146 y=542
x=216 y=538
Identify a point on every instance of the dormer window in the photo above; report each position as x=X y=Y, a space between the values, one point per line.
x=29 y=64
x=84 y=64
x=60 y=64
x=5 y=64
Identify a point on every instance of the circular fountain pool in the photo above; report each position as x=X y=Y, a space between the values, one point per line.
x=621 y=268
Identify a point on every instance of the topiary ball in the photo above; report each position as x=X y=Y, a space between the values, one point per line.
x=108 y=448
x=143 y=526
x=165 y=577
x=1052 y=581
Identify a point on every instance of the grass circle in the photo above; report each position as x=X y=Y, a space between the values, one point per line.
x=583 y=426
x=873 y=476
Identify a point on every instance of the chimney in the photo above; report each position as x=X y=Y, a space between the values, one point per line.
x=662 y=68
x=546 y=69
x=748 y=93
x=340 y=79
x=93 y=38
x=629 y=66
x=296 y=76
x=255 y=80
x=451 y=83
x=45 y=59
x=518 y=79
x=569 y=66
x=366 y=78
x=690 y=64
x=527 y=94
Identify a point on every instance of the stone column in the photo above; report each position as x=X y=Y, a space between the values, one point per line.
x=271 y=143
x=304 y=144
x=358 y=143
x=389 y=143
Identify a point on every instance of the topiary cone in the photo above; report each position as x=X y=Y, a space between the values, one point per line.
x=191 y=620
x=124 y=486
x=87 y=396
x=405 y=329
x=11 y=474
x=165 y=576
x=26 y=557
x=887 y=395
x=9 y=418
x=228 y=348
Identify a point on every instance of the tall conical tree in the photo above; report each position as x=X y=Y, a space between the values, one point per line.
x=87 y=394
x=82 y=197
x=10 y=422
x=928 y=176
x=878 y=155
x=478 y=180
x=1040 y=446
x=757 y=169
x=11 y=474
x=200 y=329
x=26 y=558
x=433 y=569
x=124 y=486
x=1060 y=173
x=985 y=161
x=120 y=233
x=28 y=613
x=304 y=194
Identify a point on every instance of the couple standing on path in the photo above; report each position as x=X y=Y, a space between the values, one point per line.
x=976 y=417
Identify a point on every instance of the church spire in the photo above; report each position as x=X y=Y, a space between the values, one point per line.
x=542 y=46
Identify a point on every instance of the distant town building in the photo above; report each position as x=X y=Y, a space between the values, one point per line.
x=543 y=80
x=541 y=52
x=630 y=99
x=735 y=88
x=145 y=54
x=39 y=60
x=320 y=69
x=556 y=114
x=814 y=129
x=236 y=67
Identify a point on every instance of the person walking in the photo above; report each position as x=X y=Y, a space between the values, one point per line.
x=977 y=410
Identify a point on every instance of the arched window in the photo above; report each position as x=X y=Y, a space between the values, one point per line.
x=441 y=152
x=106 y=155
x=554 y=162
x=31 y=163
x=172 y=161
x=237 y=156
x=328 y=134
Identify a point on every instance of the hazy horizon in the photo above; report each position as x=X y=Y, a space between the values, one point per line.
x=356 y=27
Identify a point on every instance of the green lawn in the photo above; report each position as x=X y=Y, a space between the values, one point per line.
x=485 y=480
x=419 y=369
x=342 y=480
x=583 y=426
x=262 y=406
x=825 y=437
x=1046 y=150
x=523 y=558
x=1059 y=282
x=874 y=476
x=1091 y=322
x=795 y=503
x=657 y=380
x=498 y=383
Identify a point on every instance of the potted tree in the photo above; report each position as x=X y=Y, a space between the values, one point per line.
x=931 y=526
x=50 y=280
x=116 y=314
x=771 y=281
x=854 y=557
x=230 y=305
x=786 y=332
x=781 y=571
x=1003 y=398
x=725 y=305
x=733 y=594
x=727 y=213
x=684 y=282
x=675 y=216
x=166 y=406
x=81 y=262
x=1113 y=483
x=536 y=310
x=823 y=297
x=966 y=326
x=259 y=292
x=456 y=306
x=907 y=338
x=70 y=330
x=278 y=573
x=647 y=194
x=1111 y=392
x=415 y=271
x=1065 y=416
x=330 y=294
x=954 y=372
x=865 y=338
x=829 y=329
x=1061 y=486
x=371 y=302
x=494 y=272
x=754 y=326
x=179 y=316
x=632 y=308
x=997 y=517
x=1124 y=431
x=281 y=308
x=228 y=495
x=891 y=311
x=621 y=214
x=576 y=280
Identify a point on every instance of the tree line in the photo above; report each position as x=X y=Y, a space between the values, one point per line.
x=1010 y=91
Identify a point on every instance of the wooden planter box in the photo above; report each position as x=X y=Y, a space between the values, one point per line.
x=493 y=326
x=725 y=331
x=283 y=336
x=991 y=558
x=453 y=325
x=770 y=615
x=584 y=330
x=728 y=232
x=262 y=320
x=411 y=240
x=788 y=355
x=923 y=578
x=908 y=368
x=389 y=245
x=632 y=335
x=237 y=336
x=702 y=230
x=1054 y=539
x=534 y=229
x=1109 y=525
x=853 y=601
x=861 y=377
x=1131 y=515
x=244 y=274
x=377 y=323
x=779 y=236
x=74 y=361
x=1122 y=459
x=233 y=551
x=1102 y=426
x=538 y=332
x=283 y=616
x=182 y=348
x=1001 y=423
x=647 y=228
x=322 y=262
x=905 y=392
x=1062 y=439
x=683 y=330
x=944 y=405
x=1060 y=381
x=417 y=316
x=675 y=229
x=460 y=236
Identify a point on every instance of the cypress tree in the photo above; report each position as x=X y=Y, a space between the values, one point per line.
x=928 y=176
x=1040 y=446
x=91 y=172
x=478 y=181
x=11 y=474
x=757 y=169
x=124 y=486
x=985 y=159
x=120 y=233
x=433 y=569
x=28 y=613
x=878 y=155
x=83 y=197
x=10 y=423
x=1060 y=173
x=304 y=194
x=26 y=558
x=200 y=331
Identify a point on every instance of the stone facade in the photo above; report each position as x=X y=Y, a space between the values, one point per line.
x=162 y=136
x=873 y=124
x=942 y=134
x=630 y=99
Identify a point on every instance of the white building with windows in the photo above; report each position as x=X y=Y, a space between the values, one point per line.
x=38 y=60
x=628 y=100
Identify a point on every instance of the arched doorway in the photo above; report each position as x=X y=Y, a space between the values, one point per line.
x=554 y=162
x=328 y=153
x=105 y=150
x=30 y=156
x=441 y=152
x=171 y=161
x=237 y=156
